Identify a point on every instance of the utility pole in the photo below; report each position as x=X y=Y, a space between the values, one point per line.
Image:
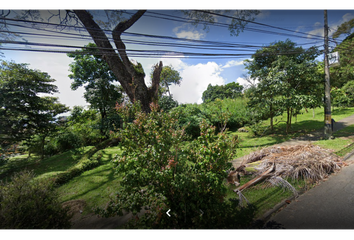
x=327 y=97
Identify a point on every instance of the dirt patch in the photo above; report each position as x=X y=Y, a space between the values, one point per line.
x=92 y=221
x=76 y=208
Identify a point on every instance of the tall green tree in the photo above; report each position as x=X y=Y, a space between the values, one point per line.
x=92 y=72
x=168 y=77
x=286 y=74
x=343 y=73
x=23 y=112
x=230 y=90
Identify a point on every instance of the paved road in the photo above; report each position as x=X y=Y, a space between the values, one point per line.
x=330 y=205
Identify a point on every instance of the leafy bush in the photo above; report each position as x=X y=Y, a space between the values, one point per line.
x=160 y=172
x=3 y=157
x=229 y=113
x=68 y=140
x=190 y=116
x=51 y=148
x=26 y=203
x=348 y=88
x=166 y=103
x=86 y=164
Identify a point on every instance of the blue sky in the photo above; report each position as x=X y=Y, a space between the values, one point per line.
x=196 y=73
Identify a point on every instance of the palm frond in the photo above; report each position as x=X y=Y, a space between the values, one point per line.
x=279 y=181
x=242 y=198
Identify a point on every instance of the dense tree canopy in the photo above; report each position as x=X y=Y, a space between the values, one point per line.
x=23 y=112
x=230 y=90
x=90 y=71
x=286 y=74
x=343 y=73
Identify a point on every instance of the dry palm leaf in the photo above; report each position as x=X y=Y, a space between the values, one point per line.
x=300 y=161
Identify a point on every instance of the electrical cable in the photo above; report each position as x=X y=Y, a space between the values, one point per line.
x=134 y=52
x=109 y=31
x=220 y=45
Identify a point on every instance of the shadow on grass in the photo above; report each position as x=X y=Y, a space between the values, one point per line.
x=57 y=163
x=89 y=185
x=342 y=111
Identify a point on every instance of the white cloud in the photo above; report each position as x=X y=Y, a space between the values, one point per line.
x=232 y=63
x=195 y=80
x=189 y=34
x=245 y=83
x=318 y=26
x=346 y=17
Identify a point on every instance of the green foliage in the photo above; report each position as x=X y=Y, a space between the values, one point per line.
x=348 y=88
x=168 y=76
x=190 y=116
x=160 y=173
x=84 y=165
x=344 y=28
x=3 y=157
x=67 y=141
x=23 y=113
x=92 y=72
x=230 y=90
x=343 y=73
x=286 y=73
x=227 y=113
x=26 y=203
x=230 y=113
x=339 y=98
x=166 y=103
x=139 y=69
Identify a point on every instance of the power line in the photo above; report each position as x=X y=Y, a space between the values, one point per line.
x=134 y=52
x=83 y=36
x=202 y=44
x=166 y=37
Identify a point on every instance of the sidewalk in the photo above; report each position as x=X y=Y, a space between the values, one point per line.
x=330 y=205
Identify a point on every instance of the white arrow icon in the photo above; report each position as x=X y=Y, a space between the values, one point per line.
x=168 y=212
x=201 y=212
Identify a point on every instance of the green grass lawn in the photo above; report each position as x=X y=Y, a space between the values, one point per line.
x=94 y=186
x=42 y=168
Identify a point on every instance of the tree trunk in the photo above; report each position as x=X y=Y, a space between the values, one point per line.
x=131 y=80
x=313 y=112
x=42 y=146
x=271 y=118
x=287 y=120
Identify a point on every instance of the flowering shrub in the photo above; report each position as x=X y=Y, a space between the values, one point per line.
x=162 y=171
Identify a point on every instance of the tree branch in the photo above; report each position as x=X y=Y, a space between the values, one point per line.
x=156 y=80
x=106 y=50
x=117 y=31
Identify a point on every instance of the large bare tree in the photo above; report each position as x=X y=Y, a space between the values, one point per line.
x=131 y=77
